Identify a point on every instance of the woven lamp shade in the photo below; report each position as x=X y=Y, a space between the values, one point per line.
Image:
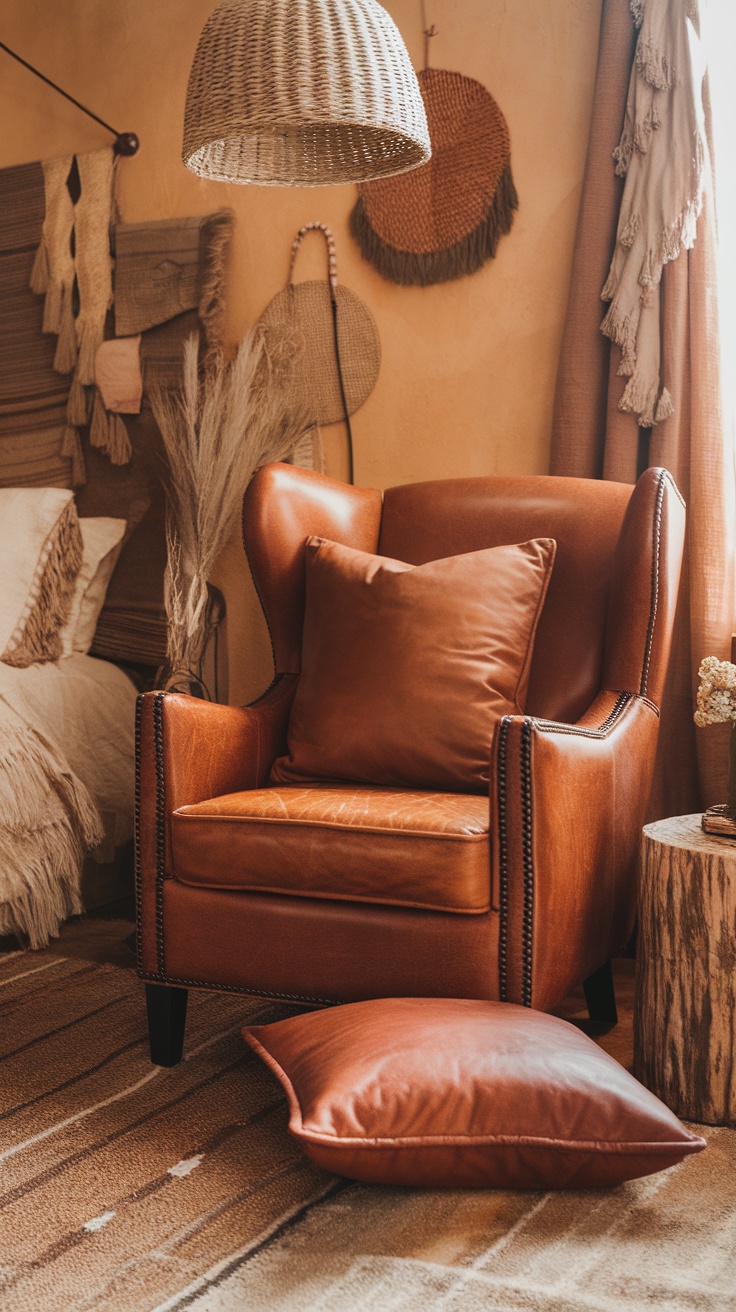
x=302 y=93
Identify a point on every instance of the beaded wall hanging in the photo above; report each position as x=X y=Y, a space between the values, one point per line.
x=339 y=352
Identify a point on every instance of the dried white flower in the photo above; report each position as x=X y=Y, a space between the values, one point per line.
x=717 y=692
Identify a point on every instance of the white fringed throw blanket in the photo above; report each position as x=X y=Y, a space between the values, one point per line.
x=48 y=822
x=66 y=781
x=662 y=155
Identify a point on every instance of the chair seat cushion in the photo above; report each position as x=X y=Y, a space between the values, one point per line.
x=387 y=845
x=459 y=1093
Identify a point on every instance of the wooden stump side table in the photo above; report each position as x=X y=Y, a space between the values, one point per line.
x=685 y=1002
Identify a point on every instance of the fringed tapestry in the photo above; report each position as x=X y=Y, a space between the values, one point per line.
x=444 y=219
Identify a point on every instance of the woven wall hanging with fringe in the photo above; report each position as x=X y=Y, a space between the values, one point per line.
x=339 y=350
x=444 y=219
x=72 y=270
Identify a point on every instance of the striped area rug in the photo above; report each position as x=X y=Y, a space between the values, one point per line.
x=126 y=1188
x=121 y=1184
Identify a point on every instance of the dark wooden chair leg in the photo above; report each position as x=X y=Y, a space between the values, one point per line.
x=167 y=1014
x=600 y=997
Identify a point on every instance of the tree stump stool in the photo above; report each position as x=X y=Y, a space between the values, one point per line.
x=685 y=1002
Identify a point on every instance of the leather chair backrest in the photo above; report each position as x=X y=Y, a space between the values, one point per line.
x=283 y=506
x=602 y=624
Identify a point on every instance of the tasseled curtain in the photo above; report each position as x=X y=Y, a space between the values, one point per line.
x=611 y=421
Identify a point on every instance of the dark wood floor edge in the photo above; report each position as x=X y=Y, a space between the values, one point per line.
x=241 y=1258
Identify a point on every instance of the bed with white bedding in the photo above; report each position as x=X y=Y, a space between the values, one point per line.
x=67 y=763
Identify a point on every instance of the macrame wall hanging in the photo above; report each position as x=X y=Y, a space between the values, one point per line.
x=338 y=356
x=443 y=220
x=73 y=270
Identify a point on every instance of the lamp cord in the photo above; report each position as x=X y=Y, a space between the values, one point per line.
x=428 y=32
x=126 y=143
x=332 y=284
x=351 y=472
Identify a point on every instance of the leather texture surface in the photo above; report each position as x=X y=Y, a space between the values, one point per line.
x=456 y=1093
x=188 y=750
x=382 y=845
x=568 y=782
x=644 y=592
x=323 y=950
x=423 y=521
x=282 y=507
x=405 y=670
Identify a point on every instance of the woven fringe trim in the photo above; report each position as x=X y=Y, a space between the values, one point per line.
x=48 y=885
x=77 y=407
x=71 y=449
x=654 y=66
x=637 y=12
x=66 y=346
x=119 y=449
x=214 y=245
x=41 y=271
x=40 y=863
x=29 y=767
x=90 y=336
x=623 y=333
x=645 y=401
x=40 y=640
x=51 y=321
x=465 y=257
x=108 y=433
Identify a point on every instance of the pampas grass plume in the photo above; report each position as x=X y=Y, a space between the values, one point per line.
x=217 y=430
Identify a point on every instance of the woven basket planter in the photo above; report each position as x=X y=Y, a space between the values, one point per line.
x=302 y=93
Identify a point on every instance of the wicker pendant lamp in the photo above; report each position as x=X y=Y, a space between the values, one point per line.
x=302 y=93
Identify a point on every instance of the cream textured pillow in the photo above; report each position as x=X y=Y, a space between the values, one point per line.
x=102 y=540
x=41 y=557
x=406 y=670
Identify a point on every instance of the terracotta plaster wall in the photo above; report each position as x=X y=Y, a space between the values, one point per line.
x=468 y=369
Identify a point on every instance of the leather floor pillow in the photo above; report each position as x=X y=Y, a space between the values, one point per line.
x=462 y=1093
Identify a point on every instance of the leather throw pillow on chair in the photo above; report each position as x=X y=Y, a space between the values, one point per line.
x=407 y=669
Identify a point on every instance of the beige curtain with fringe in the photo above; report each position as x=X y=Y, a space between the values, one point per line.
x=593 y=438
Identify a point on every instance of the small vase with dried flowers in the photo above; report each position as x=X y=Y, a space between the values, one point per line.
x=717 y=705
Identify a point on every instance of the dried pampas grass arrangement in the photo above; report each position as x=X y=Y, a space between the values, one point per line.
x=217 y=430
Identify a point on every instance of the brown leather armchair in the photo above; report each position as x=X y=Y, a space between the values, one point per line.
x=229 y=906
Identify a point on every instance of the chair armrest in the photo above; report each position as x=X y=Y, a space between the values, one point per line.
x=188 y=751
x=567 y=805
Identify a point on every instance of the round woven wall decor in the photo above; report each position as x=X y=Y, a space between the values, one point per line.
x=443 y=220
x=305 y=310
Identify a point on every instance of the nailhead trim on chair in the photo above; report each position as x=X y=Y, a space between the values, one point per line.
x=158 y=740
x=528 y=858
x=655 y=583
x=137 y=830
x=503 y=858
x=176 y=982
x=622 y=701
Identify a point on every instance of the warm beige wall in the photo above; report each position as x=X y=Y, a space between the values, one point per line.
x=468 y=368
